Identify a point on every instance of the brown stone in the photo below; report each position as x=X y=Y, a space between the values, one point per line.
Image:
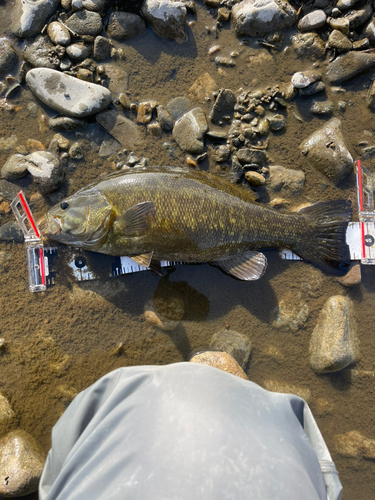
x=354 y=444
x=285 y=388
x=353 y=276
x=7 y=416
x=21 y=462
x=220 y=360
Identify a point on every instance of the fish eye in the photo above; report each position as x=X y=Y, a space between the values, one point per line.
x=64 y=205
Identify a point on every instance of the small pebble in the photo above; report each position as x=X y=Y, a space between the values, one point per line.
x=76 y=152
x=255 y=179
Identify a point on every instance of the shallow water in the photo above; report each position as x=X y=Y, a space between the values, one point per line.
x=61 y=341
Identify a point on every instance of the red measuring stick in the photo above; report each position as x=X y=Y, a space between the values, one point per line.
x=361 y=206
x=43 y=275
x=28 y=213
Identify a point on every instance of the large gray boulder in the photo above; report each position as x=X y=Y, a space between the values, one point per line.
x=66 y=94
x=334 y=343
x=167 y=18
x=29 y=16
x=326 y=151
x=259 y=17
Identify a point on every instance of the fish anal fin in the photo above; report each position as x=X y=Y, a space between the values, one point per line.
x=248 y=266
x=136 y=221
x=143 y=259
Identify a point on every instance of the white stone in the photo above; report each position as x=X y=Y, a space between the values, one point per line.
x=66 y=94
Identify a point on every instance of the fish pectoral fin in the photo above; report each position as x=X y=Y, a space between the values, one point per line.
x=136 y=221
x=245 y=266
x=143 y=259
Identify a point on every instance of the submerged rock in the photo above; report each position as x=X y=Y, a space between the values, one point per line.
x=303 y=79
x=11 y=231
x=293 y=316
x=236 y=344
x=223 y=105
x=334 y=344
x=309 y=45
x=285 y=181
x=7 y=415
x=221 y=360
x=355 y=445
x=66 y=123
x=327 y=152
x=8 y=56
x=85 y=22
x=46 y=170
x=29 y=16
x=39 y=53
x=285 y=388
x=260 y=17
x=15 y=167
x=123 y=25
x=67 y=94
x=189 y=131
x=122 y=129
x=166 y=18
x=338 y=41
x=21 y=462
x=348 y=66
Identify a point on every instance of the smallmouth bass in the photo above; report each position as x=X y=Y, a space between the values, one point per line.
x=179 y=214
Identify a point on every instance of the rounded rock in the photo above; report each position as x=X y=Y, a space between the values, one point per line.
x=22 y=462
x=166 y=18
x=303 y=79
x=123 y=25
x=46 y=170
x=58 y=34
x=66 y=94
x=260 y=17
x=85 y=22
x=94 y=5
x=66 y=123
x=334 y=344
x=221 y=360
x=235 y=344
x=15 y=167
x=78 y=51
x=255 y=179
x=312 y=21
x=28 y=16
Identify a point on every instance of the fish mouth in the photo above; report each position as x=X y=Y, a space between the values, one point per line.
x=49 y=227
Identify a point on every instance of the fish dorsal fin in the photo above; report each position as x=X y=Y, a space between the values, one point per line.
x=136 y=221
x=143 y=259
x=246 y=266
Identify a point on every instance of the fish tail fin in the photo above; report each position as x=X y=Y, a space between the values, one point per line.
x=324 y=240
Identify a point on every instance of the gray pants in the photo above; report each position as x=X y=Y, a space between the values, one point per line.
x=186 y=431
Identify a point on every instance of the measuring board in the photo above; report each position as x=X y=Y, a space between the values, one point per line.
x=360 y=237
